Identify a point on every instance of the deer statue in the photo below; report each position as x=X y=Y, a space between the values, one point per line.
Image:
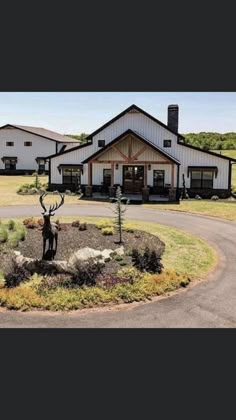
x=50 y=230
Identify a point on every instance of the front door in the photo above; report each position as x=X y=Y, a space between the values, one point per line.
x=133 y=179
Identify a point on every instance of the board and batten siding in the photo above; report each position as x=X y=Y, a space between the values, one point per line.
x=26 y=155
x=153 y=132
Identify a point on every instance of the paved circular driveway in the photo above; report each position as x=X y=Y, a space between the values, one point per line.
x=212 y=303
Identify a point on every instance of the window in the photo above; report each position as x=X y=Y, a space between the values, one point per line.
x=71 y=176
x=107 y=177
x=101 y=143
x=10 y=143
x=167 y=143
x=202 y=179
x=158 y=178
x=41 y=164
x=28 y=143
x=10 y=164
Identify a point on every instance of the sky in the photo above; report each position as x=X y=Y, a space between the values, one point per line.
x=77 y=112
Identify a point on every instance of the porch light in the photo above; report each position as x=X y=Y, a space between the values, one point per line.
x=149 y=167
x=117 y=166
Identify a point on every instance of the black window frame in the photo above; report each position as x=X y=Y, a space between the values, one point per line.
x=10 y=143
x=10 y=164
x=28 y=143
x=70 y=178
x=101 y=143
x=105 y=183
x=203 y=181
x=167 y=143
x=158 y=170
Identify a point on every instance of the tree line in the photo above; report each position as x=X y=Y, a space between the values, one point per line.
x=211 y=141
x=204 y=140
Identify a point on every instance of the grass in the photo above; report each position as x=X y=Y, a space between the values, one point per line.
x=10 y=184
x=186 y=258
x=221 y=209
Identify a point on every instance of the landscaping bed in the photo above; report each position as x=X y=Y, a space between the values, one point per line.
x=183 y=256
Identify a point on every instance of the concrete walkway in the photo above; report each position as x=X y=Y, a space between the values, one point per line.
x=211 y=303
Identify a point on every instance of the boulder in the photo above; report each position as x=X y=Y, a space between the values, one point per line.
x=120 y=251
x=84 y=254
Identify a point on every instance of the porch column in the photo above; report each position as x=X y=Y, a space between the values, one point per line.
x=172 y=175
x=172 y=190
x=89 y=174
x=88 y=188
x=112 y=189
x=145 y=176
x=112 y=174
x=145 y=190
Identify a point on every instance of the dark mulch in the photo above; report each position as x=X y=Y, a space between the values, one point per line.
x=70 y=239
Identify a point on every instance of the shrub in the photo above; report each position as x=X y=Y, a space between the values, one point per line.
x=30 y=223
x=16 y=275
x=53 y=282
x=86 y=272
x=131 y=273
x=3 y=234
x=149 y=260
x=40 y=222
x=108 y=231
x=11 y=225
x=83 y=226
x=109 y=280
x=76 y=223
x=128 y=228
x=103 y=224
x=119 y=258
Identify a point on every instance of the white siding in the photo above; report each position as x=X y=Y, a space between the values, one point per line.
x=26 y=155
x=156 y=134
x=97 y=174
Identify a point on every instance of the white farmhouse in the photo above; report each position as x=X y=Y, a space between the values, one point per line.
x=25 y=149
x=143 y=156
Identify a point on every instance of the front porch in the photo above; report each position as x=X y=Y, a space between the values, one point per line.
x=133 y=198
x=142 y=170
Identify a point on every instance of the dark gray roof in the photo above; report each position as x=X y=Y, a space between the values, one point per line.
x=43 y=132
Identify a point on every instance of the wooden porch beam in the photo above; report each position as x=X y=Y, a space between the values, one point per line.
x=130 y=147
x=134 y=162
x=145 y=175
x=112 y=174
x=139 y=152
x=90 y=174
x=172 y=175
x=120 y=153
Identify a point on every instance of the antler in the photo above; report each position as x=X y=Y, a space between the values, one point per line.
x=56 y=206
x=42 y=196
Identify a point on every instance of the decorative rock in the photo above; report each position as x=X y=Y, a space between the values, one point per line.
x=215 y=198
x=84 y=254
x=198 y=197
x=120 y=251
x=67 y=191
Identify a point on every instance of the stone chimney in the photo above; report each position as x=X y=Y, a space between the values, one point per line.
x=173 y=117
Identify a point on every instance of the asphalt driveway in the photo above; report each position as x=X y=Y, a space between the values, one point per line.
x=211 y=303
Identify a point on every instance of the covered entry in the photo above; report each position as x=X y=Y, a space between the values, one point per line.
x=133 y=162
x=133 y=179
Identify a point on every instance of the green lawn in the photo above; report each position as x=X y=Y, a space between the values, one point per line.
x=10 y=184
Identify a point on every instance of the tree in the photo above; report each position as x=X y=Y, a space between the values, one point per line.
x=120 y=210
